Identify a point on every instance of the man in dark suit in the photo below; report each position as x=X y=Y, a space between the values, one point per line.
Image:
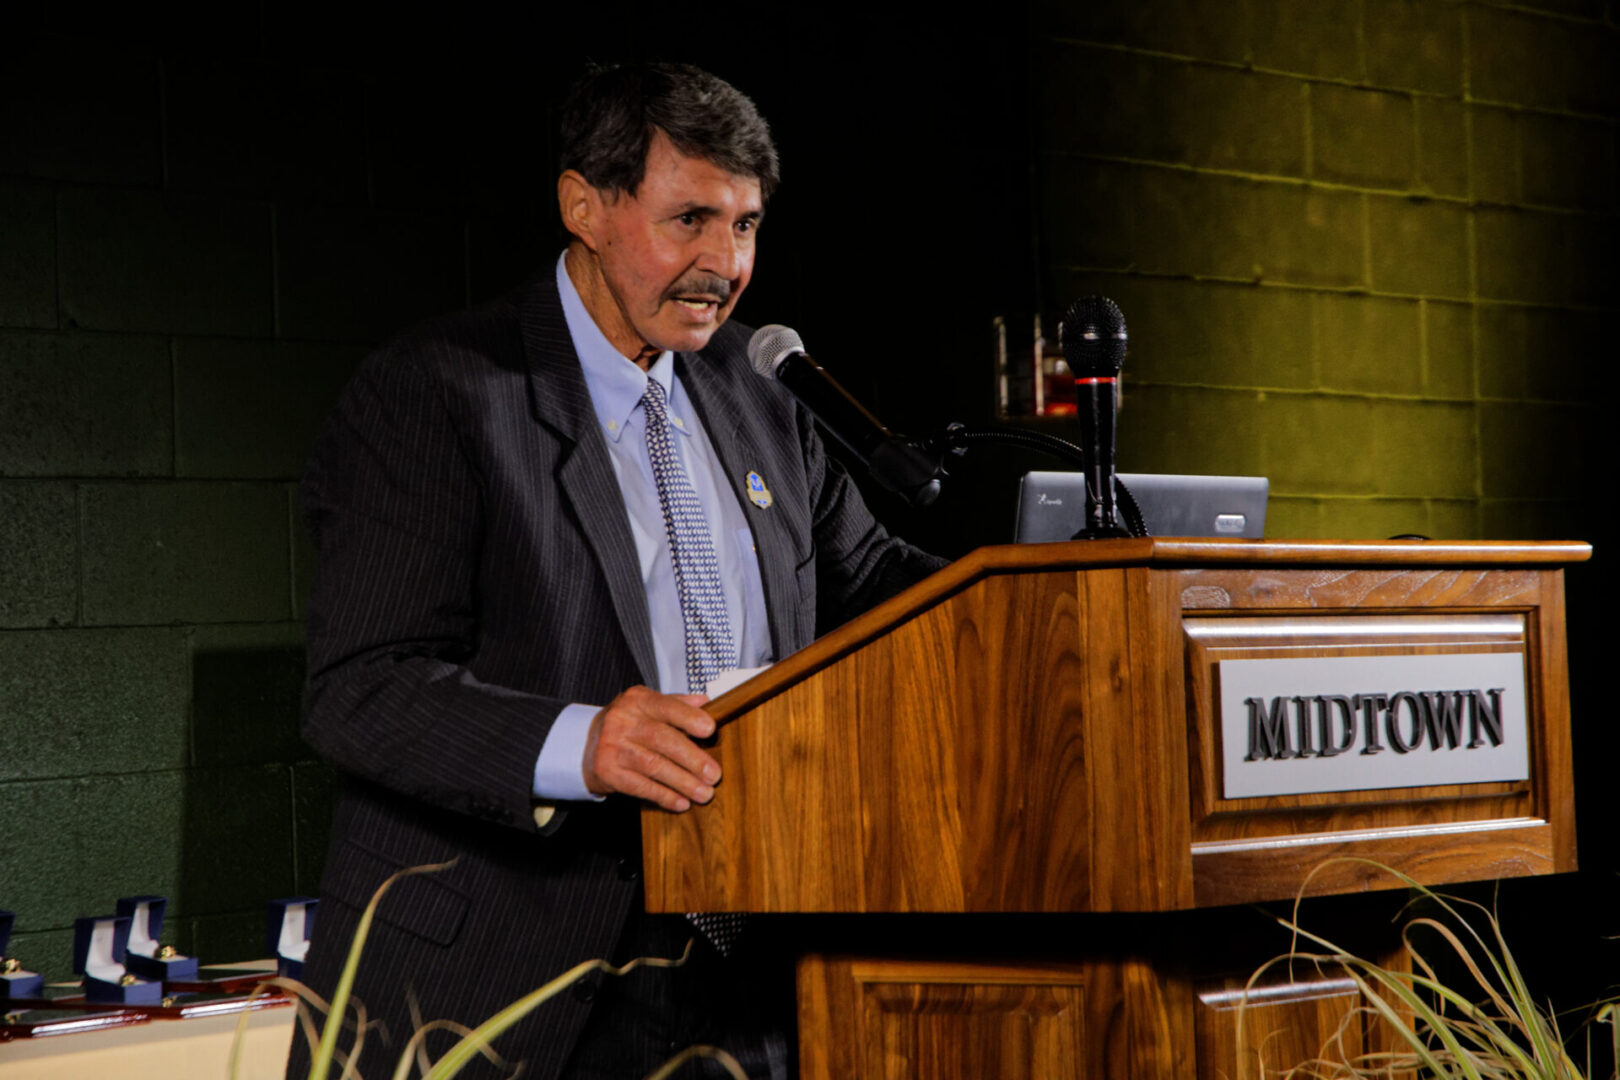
x=541 y=525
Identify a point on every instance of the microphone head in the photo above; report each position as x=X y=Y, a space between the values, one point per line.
x=770 y=345
x=1094 y=337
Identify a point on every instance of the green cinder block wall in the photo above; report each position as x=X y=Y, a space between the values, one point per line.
x=1364 y=247
x=195 y=251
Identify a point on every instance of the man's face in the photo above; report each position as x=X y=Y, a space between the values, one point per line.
x=675 y=256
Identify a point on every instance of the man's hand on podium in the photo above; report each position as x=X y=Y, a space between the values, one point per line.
x=641 y=745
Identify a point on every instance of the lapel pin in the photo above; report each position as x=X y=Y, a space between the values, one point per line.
x=758 y=493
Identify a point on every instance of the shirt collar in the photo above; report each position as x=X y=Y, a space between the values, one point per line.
x=615 y=383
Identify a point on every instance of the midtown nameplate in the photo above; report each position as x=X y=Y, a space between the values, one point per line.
x=1352 y=723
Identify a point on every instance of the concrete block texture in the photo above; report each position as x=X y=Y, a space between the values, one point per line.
x=1568 y=162
x=233 y=936
x=92 y=702
x=1363 y=518
x=1311 y=37
x=1423 y=449
x=361 y=275
x=1454 y=519
x=1352 y=445
x=236 y=839
x=27 y=254
x=79 y=110
x=1580 y=9
x=1544 y=160
x=1545 y=257
x=84 y=405
x=303 y=554
x=1448 y=349
x=1208 y=29
x=315 y=786
x=252 y=409
x=39 y=547
x=1493 y=154
x=1316 y=445
x=1543 y=354
x=1249 y=230
x=1525 y=58
x=110 y=836
x=213 y=841
x=184 y=552
x=1442 y=147
x=1418 y=247
x=1187 y=429
x=1208 y=333
x=1538 y=519
x=246 y=704
x=1371 y=519
x=1414 y=45
x=1110 y=103
x=1369 y=344
x=1088 y=212
x=164 y=262
x=1293 y=517
x=1362 y=137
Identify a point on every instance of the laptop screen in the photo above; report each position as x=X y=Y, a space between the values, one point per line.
x=1052 y=505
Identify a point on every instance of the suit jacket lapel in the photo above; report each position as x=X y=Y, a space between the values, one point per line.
x=562 y=403
x=738 y=444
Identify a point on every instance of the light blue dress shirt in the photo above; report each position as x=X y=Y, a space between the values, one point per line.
x=616 y=387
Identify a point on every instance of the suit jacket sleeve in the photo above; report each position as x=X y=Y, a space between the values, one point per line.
x=393 y=506
x=858 y=564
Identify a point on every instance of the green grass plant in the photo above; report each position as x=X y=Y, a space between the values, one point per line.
x=1489 y=1027
x=326 y=1050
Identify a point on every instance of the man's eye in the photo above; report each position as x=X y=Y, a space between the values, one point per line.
x=688 y=219
x=747 y=225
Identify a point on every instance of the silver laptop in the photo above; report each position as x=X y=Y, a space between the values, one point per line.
x=1052 y=505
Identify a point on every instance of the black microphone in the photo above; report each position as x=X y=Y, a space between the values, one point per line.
x=894 y=462
x=1094 y=345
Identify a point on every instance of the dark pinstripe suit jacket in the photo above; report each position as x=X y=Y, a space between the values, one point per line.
x=476 y=573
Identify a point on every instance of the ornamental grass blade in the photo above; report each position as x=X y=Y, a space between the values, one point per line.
x=476 y=1041
x=691 y=1053
x=321 y=1063
x=1505 y=1036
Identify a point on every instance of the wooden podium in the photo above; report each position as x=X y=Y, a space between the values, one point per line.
x=1032 y=737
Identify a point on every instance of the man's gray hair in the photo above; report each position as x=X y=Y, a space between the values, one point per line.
x=609 y=117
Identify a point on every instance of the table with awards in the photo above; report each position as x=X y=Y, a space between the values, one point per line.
x=139 y=1009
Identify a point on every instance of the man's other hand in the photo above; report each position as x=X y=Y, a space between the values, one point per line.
x=641 y=745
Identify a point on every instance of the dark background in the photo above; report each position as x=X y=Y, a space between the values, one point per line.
x=1366 y=248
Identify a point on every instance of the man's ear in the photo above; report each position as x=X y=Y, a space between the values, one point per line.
x=580 y=205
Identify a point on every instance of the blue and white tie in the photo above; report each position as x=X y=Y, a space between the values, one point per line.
x=709 y=647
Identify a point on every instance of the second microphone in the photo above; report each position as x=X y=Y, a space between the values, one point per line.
x=895 y=463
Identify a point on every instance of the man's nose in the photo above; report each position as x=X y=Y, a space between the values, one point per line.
x=724 y=252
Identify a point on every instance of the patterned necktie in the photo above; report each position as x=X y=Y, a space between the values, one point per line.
x=709 y=648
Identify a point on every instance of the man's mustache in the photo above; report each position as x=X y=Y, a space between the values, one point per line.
x=705 y=285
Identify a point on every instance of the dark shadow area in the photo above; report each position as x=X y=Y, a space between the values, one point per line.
x=257 y=803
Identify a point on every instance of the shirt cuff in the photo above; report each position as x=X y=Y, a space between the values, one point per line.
x=559 y=771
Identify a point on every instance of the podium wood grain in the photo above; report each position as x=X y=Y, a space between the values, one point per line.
x=1034 y=729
